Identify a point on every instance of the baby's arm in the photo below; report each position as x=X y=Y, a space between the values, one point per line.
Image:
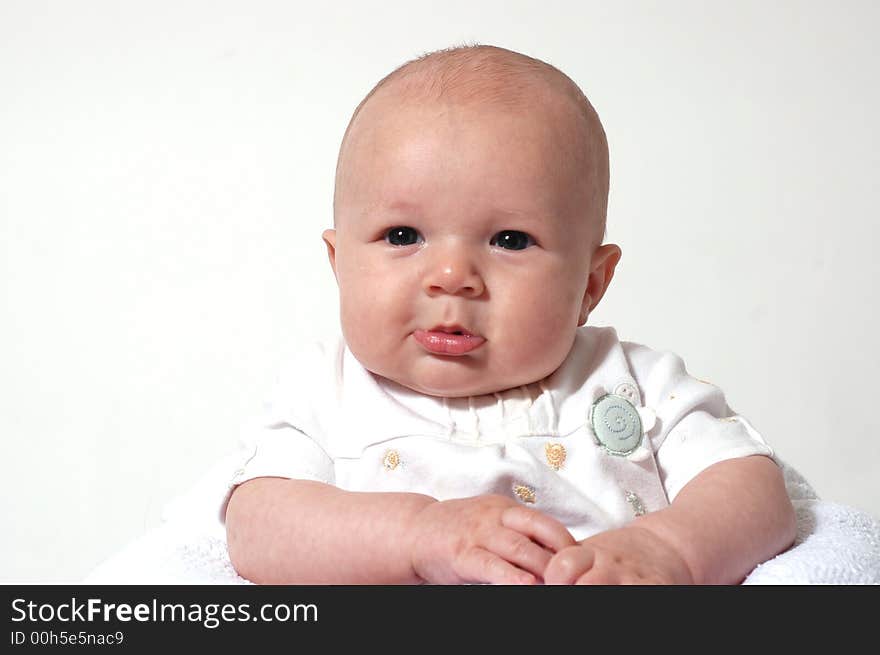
x=297 y=531
x=724 y=522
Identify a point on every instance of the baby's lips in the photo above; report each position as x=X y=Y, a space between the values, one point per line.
x=445 y=343
x=452 y=328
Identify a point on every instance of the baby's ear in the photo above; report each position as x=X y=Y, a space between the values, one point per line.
x=602 y=266
x=329 y=237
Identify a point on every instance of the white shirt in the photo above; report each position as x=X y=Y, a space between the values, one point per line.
x=331 y=420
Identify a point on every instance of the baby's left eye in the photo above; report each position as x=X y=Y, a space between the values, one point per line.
x=512 y=240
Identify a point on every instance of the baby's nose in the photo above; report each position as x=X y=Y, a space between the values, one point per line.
x=452 y=271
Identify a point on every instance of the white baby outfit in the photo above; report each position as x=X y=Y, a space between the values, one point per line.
x=331 y=420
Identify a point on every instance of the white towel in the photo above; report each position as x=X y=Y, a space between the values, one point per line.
x=835 y=544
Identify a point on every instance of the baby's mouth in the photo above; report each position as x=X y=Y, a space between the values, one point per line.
x=448 y=340
x=452 y=329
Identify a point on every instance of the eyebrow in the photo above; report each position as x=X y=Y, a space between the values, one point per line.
x=405 y=206
x=400 y=206
x=397 y=206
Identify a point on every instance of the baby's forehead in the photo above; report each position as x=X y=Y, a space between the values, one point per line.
x=548 y=125
x=491 y=82
x=485 y=78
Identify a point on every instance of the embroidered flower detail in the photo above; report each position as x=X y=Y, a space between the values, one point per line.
x=526 y=494
x=555 y=453
x=391 y=460
x=636 y=502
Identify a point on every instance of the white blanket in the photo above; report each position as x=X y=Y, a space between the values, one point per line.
x=835 y=544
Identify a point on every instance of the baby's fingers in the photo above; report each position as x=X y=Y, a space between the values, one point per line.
x=519 y=550
x=567 y=566
x=479 y=565
x=537 y=526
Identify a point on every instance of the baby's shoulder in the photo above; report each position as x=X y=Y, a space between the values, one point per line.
x=656 y=371
x=602 y=344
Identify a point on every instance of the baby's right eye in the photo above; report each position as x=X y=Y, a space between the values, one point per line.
x=402 y=235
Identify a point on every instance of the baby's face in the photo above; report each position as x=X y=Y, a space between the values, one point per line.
x=470 y=221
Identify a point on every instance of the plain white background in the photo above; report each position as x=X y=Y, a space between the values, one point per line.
x=166 y=170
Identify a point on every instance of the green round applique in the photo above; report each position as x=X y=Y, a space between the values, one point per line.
x=616 y=424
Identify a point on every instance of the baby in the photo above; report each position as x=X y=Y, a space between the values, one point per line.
x=467 y=427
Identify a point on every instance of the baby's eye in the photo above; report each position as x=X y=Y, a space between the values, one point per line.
x=512 y=240
x=402 y=235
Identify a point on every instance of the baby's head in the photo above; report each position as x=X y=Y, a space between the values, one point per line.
x=470 y=199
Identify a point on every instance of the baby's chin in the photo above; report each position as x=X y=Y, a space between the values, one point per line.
x=452 y=388
x=439 y=390
x=454 y=377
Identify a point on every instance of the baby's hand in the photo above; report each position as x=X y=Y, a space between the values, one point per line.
x=629 y=555
x=487 y=538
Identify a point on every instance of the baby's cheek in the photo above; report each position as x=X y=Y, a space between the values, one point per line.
x=372 y=314
x=545 y=334
x=547 y=311
x=529 y=353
